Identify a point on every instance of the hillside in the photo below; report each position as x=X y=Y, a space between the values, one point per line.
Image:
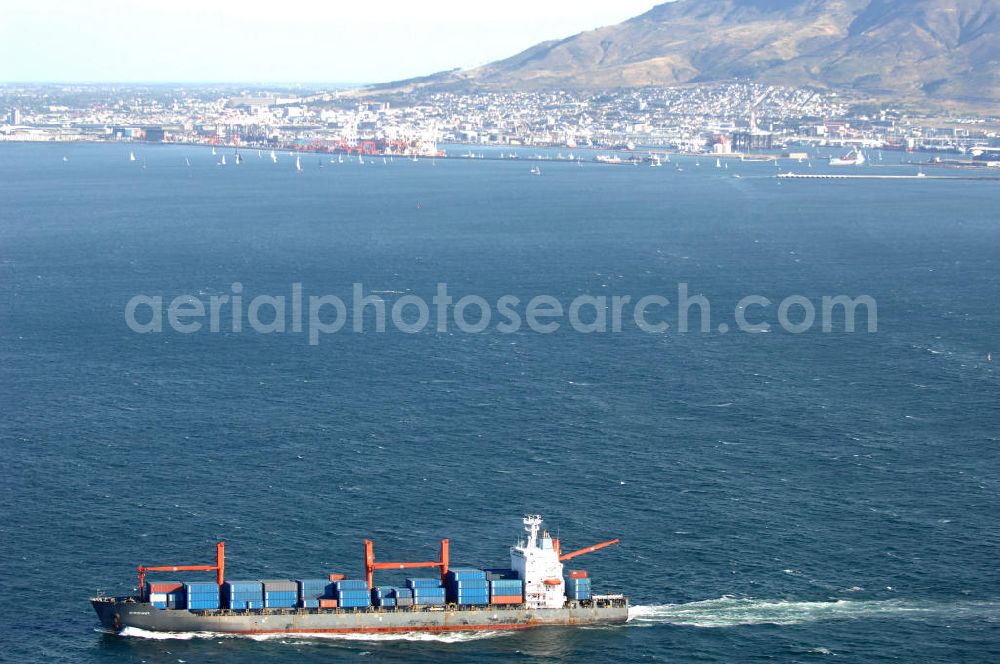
x=942 y=49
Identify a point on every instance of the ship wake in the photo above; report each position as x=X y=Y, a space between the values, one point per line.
x=732 y=612
x=300 y=638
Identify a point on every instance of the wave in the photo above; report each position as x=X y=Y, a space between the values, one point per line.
x=300 y=638
x=732 y=612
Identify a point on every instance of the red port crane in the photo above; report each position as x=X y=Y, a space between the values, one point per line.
x=219 y=568
x=371 y=565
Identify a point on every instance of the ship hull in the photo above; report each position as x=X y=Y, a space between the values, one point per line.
x=117 y=614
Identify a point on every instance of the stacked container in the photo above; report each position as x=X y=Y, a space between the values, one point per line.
x=202 y=595
x=239 y=595
x=506 y=591
x=165 y=594
x=280 y=594
x=578 y=586
x=311 y=591
x=384 y=596
x=500 y=573
x=426 y=592
x=468 y=586
x=352 y=593
x=403 y=596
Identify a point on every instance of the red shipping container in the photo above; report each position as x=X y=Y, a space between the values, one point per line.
x=506 y=599
x=165 y=587
x=338 y=577
x=577 y=574
x=327 y=603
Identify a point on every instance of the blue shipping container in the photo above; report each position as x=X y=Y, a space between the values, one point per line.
x=315 y=588
x=354 y=603
x=495 y=573
x=423 y=583
x=429 y=601
x=351 y=584
x=465 y=574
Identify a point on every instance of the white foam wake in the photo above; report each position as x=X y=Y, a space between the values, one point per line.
x=731 y=611
x=304 y=637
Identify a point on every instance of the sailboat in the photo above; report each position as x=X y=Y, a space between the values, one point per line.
x=239 y=159
x=259 y=154
x=319 y=160
x=222 y=162
x=213 y=151
x=274 y=157
x=718 y=163
x=298 y=164
x=340 y=159
x=187 y=162
x=131 y=156
x=361 y=160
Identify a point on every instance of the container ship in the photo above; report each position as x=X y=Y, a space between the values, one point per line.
x=534 y=591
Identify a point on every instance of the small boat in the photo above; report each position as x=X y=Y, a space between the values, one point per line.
x=535 y=170
x=852 y=158
x=65 y=158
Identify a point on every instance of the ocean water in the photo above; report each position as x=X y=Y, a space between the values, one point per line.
x=780 y=497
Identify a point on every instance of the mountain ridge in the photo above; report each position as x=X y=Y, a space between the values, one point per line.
x=911 y=49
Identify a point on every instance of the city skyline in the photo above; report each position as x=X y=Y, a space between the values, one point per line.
x=111 y=41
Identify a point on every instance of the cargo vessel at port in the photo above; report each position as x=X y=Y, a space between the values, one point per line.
x=534 y=591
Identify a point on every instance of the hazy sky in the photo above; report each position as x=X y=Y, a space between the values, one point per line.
x=253 y=40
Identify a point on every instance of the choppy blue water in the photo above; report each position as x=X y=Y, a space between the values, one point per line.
x=787 y=497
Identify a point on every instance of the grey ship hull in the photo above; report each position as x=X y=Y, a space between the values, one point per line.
x=118 y=613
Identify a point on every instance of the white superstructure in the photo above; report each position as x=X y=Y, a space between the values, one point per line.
x=536 y=561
